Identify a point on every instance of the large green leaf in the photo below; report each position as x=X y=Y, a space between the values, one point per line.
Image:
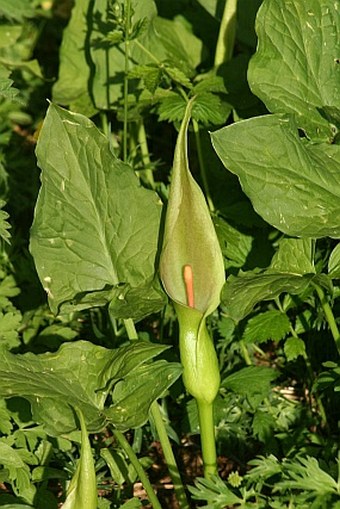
x=95 y=227
x=295 y=68
x=81 y=375
x=292 y=184
x=240 y=294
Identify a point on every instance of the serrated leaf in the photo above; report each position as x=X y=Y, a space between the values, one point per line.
x=215 y=492
x=294 y=347
x=9 y=326
x=263 y=425
x=289 y=72
x=4 y=224
x=268 y=325
x=81 y=375
x=171 y=108
x=209 y=109
x=293 y=185
x=17 y=9
x=334 y=262
x=95 y=228
x=306 y=474
x=240 y=294
x=252 y=382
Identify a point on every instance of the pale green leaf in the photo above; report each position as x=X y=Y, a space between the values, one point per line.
x=334 y=262
x=95 y=227
x=294 y=347
x=79 y=375
x=241 y=294
x=9 y=327
x=189 y=236
x=295 y=68
x=271 y=324
x=17 y=9
x=215 y=492
x=293 y=185
x=294 y=256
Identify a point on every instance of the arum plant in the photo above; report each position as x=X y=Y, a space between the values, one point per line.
x=192 y=273
x=82 y=491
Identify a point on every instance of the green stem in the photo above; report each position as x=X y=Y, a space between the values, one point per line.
x=143 y=143
x=169 y=456
x=201 y=163
x=245 y=353
x=162 y=434
x=329 y=316
x=126 y=77
x=207 y=428
x=138 y=467
x=226 y=37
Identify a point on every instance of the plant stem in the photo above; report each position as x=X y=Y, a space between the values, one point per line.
x=329 y=316
x=202 y=165
x=169 y=456
x=207 y=428
x=143 y=143
x=162 y=434
x=138 y=467
x=245 y=353
x=226 y=37
x=126 y=77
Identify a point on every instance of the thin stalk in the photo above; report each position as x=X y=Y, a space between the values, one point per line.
x=138 y=467
x=162 y=434
x=126 y=77
x=143 y=143
x=169 y=456
x=329 y=316
x=245 y=353
x=207 y=429
x=226 y=37
x=202 y=166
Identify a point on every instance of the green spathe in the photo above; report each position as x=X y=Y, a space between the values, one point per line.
x=201 y=375
x=190 y=240
x=82 y=491
x=189 y=236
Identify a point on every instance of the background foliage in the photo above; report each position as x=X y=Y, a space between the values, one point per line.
x=83 y=185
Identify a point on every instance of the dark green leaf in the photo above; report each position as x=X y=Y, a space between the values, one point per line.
x=80 y=375
x=252 y=382
x=263 y=425
x=240 y=294
x=133 y=396
x=269 y=325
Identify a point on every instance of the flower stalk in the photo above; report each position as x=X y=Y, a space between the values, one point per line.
x=192 y=272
